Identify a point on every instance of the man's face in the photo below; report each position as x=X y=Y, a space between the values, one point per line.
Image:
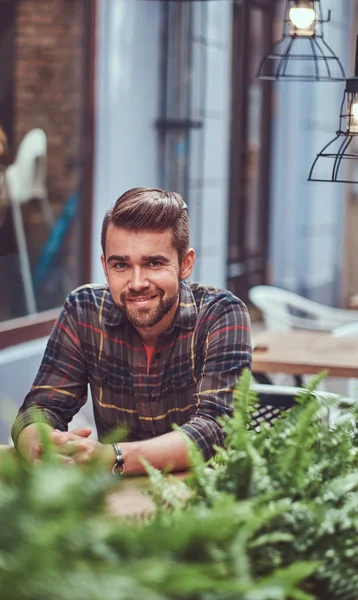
x=143 y=274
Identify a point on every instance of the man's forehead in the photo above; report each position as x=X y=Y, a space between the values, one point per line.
x=141 y=238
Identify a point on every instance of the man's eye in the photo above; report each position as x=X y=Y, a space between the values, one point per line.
x=120 y=265
x=155 y=263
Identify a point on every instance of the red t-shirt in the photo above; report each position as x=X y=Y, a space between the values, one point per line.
x=149 y=350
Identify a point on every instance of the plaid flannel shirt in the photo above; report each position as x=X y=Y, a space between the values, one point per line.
x=195 y=366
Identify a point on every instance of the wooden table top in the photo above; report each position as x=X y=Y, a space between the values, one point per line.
x=132 y=499
x=299 y=352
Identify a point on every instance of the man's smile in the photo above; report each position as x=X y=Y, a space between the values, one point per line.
x=142 y=299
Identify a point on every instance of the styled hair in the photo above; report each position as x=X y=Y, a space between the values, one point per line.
x=152 y=209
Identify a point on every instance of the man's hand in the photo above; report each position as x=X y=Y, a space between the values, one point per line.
x=60 y=438
x=29 y=441
x=30 y=446
x=80 y=449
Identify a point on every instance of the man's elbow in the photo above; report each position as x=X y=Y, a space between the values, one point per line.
x=206 y=433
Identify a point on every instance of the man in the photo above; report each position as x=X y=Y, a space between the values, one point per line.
x=155 y=350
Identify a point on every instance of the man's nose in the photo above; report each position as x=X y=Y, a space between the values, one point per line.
x=138 y=279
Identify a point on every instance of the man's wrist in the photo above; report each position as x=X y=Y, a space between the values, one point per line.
x=107 y=456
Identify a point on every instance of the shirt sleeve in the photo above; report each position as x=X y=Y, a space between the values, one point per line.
x=226 y=352
x=60 y=387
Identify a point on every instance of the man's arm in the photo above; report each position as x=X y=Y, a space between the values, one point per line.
x=227 y=351
x=30 y=440
x=165 y=452
x=60 y=387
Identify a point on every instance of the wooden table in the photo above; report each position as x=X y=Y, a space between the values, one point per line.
x=132 y=499
x=298 y=352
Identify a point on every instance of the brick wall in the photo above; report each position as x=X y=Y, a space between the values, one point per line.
x=49 y=84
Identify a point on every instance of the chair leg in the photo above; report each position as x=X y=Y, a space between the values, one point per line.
x=24 y=258
x=262 y=378
x=298 y=380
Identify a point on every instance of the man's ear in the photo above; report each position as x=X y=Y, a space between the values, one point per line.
x=187 y=264
x=104 y=266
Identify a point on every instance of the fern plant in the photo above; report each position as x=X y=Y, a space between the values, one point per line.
x=58 y=541
x=303 y=474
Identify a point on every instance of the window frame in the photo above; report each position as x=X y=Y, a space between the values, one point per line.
x=37 y=325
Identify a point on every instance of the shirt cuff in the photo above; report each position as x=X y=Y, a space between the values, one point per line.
x=34 y=415
x=206 y=434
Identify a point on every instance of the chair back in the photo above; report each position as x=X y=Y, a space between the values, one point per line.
x=26 y=176
x=282 y=309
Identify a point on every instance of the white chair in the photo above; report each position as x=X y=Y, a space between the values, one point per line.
x=282 y=309
x=26 y=180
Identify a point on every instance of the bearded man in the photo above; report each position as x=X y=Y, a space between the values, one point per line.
x=154 y=349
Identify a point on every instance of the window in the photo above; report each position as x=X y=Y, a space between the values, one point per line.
x=46 y=91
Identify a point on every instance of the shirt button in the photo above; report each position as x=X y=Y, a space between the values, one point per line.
x=151 y=397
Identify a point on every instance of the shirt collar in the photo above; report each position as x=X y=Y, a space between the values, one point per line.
x=115 y=316
x=185 y=317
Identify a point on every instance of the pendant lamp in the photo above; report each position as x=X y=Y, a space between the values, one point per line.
x=302 y=54
x=331 y=164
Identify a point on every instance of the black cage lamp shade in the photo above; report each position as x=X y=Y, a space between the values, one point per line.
x=302 y=54
x=331 y=164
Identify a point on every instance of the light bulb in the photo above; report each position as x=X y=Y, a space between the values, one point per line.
x=353 y=126
x=354 y=110
x=302 y=18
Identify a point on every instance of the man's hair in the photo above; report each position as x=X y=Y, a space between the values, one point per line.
x=153 y=209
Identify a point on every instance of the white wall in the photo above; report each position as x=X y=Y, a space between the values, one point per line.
x=18 y=367
x=127 y=103
x=209 y=172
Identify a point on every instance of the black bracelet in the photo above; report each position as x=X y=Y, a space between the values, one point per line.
x=118 y=466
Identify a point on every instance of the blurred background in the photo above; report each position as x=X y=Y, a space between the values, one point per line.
x=98 y=96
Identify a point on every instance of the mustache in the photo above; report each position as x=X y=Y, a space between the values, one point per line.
x=143 y=293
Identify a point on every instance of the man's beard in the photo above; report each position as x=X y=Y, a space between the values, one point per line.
x=147 y=316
